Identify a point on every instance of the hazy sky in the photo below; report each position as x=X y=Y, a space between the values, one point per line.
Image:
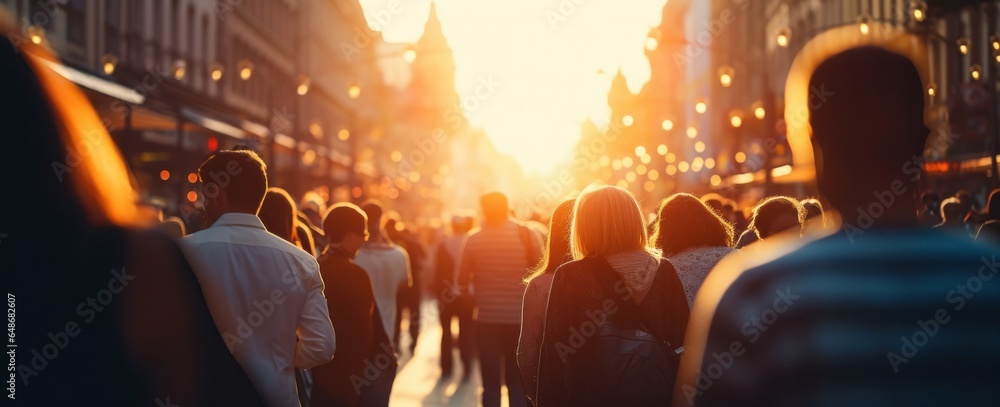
x=544 y=59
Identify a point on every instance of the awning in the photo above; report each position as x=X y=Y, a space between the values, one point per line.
x=97 y=84
x=213 y=124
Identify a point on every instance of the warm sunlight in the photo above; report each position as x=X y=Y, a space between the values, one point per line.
x=552 y=62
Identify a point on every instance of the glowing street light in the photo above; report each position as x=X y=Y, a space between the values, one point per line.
x=741 y=157
x=640 y=151
x=651 y=44
x=410 y=55
x=667 y=125
x=976 y=72
x=736 y=121
x=354 y=91
x=215 y=72
x=919 y=10
x=931 y=89
x=963 y=46
x=303 y=87
x=246 y=69
x=627 y=120
x=701 y=107
x=36 y=34
x=995 y=42
x=760 y=113
x=692 y=132
x=726 y=74
x=864 y=24
x=180 y=69
x=108 y=63
x=784 y=37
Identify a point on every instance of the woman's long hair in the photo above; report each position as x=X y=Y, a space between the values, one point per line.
x=557 y=245
x=607 y=221
x=277 y=213
x=685 y=222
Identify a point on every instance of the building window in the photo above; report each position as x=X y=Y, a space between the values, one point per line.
x=76 y=22
x=112 y=26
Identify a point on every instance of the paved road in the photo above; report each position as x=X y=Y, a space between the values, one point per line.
x=419 y=382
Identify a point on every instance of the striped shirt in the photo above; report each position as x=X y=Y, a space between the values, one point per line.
x=495 y=259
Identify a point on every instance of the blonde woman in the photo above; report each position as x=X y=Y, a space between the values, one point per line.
x=616 y=313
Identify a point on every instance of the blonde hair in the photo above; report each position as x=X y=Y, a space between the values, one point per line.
x=607 y=220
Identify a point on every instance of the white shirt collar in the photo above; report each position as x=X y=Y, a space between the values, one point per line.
x=239 y=219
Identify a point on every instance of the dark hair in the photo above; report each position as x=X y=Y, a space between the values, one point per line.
x=770 y=209
x=813 y=208
x=869 y=121
x=240 y=174
x=714 y=201
x=993 y=204
x=494 y=206
x=344 y=218
x=277 y=213
x=684 y=222
x=557 y=245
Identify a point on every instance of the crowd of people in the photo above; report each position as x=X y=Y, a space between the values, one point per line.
x=283 y=304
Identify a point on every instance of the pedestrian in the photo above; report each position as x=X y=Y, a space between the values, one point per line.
x=494 y=261
x=616 y=314
x=102 y=311
x=265 y=294
x=536 y=296
x=872 y=314
x=952 y=217
x=388 y=267
x=451 y=303
x=693 y=237
x=352 y=309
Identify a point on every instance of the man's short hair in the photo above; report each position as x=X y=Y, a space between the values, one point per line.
x=344 y=218
x=374 y=209
x=240 y=174
x=495 y=206
x=770 y=209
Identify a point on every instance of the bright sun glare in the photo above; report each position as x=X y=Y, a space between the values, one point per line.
x=553 y=61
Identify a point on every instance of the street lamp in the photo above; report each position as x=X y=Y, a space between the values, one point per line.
x=919 y=10
x=108 y=63
x=180 y=69
x=701 y=107
x=726 y=74
x=36 y=34
x=784 y=37
x=864 y=24
x=963 y=45
x=931 y=89
x=667 y=125
x=246 y=69
x=303 y=86
x=215 y=72
x=736 y=120
x=354 y=91
x=976 y=72
x=759 y=113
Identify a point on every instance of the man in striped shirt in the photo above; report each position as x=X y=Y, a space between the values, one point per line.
x=493 y=263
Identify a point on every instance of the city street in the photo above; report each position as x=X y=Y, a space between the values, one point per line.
x=418 y=383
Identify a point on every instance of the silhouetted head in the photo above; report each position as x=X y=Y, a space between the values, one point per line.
x=495 y=208
x=346 y=226
x=607 y=221
x=232 y=181
x=714 y=201
x=374 y=210
x=951 y=211
x=461 y=225
x=993 y=205
x=965 y=199
x=778 y=214
x=557 y=246
x=930 y=199
x=685 y=222
x=277 y=213
x=868 y=130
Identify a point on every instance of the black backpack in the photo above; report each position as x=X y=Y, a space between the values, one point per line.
x=628 y=365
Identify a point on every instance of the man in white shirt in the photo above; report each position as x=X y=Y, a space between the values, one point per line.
x=265 y=294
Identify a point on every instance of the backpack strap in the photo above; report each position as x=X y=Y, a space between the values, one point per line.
x=608 y=279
